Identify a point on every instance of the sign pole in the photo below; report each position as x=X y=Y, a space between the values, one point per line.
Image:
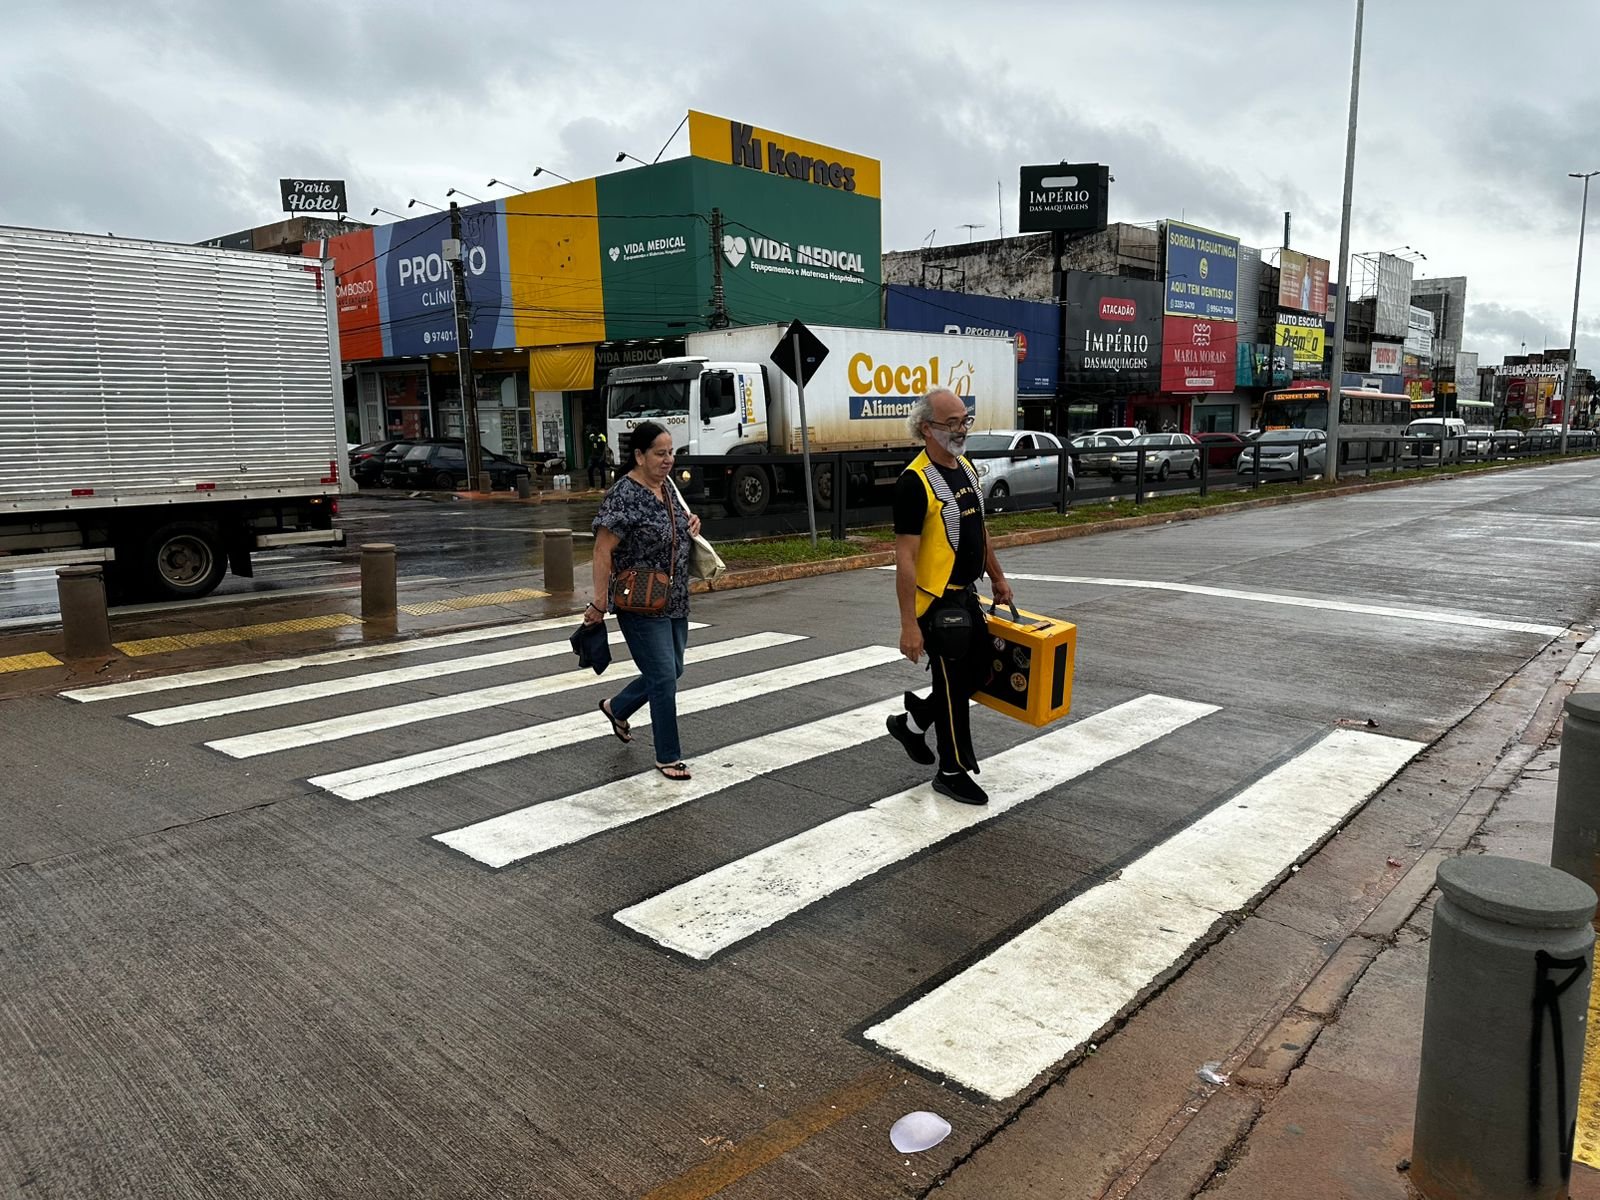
x=805 y=443
x=1577 y=290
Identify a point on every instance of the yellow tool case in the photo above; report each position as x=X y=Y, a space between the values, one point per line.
x=1032 y=666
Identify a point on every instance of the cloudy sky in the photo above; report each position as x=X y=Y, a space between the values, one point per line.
x=175 y=118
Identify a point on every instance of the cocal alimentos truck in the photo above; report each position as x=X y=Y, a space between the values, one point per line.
x=726 y=396
x=164 y=409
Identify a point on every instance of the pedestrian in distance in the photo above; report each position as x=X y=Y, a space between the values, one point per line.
x=599 y=452
x=941 y=550
x=643 y=527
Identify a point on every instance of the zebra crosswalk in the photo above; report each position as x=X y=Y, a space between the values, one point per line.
x=993 y=1027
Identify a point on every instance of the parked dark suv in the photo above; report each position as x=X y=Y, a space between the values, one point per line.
x=443 y=464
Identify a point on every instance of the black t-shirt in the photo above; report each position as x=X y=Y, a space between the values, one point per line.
x=911 y=510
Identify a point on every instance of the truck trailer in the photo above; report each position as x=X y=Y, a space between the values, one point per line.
x=164 y=409
x=726 y=397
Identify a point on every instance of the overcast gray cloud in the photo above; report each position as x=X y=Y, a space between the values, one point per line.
x=175 y=118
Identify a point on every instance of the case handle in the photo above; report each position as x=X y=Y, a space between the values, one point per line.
x=1015 y=616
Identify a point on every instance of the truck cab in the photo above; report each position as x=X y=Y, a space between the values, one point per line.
x=711 y=408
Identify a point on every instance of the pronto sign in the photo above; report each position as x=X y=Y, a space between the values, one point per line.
x=736 y=144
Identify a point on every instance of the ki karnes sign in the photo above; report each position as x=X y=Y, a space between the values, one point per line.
x=1202 y=273
x=1198 y=355
x=1066 y=196
x=313 y=195
x=736 y=144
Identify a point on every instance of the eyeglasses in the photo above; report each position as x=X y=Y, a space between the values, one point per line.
x=955 y=424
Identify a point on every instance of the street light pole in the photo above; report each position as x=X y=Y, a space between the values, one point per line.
x=1330 y=470
x=454 y=254
x=1577 y=290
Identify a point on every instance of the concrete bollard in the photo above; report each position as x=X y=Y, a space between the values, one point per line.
x=558 y=560
x=378 y=587
x=1503 y=1031
x=85 y=625
x=1575 y=844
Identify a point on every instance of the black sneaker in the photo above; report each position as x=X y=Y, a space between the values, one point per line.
x=915 y=744
x=960 y=787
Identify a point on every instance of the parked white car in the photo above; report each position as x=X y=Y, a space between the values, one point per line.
x=1164 y=454
x=1022 y=474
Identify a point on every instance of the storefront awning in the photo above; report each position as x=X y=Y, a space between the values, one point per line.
x=561 y=368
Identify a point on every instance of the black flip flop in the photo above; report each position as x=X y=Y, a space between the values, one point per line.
x=677 y=766
x=618 y=728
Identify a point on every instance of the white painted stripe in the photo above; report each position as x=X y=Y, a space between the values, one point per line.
x=327 y=658
x=994 y=1027
x=1432 y=616
x=538 y=828
x=707 y=914
x=202 y=710
x=394 y=774
x=352 y=724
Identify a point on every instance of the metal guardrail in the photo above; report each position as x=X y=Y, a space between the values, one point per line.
x=865 y=499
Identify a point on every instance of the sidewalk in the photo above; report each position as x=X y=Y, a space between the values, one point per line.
x=1339 y=1123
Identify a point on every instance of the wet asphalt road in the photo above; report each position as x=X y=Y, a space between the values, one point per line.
x=437 y=539
x=266 y=948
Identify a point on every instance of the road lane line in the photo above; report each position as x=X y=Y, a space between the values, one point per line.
x=705 y=915
x=393 y=774
x=1022 y=1008
x=1432 y=616
x=326 y=658
x=245 y=702
x=538 y=828
x=352 y=724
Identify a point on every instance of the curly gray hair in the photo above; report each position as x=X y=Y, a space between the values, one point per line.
x=922 y=411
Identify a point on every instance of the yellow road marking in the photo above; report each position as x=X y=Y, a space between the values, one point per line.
x=1586 y=1148
x=28 y=662
x=771 y=1143
x=239 y=633
x=438 y=606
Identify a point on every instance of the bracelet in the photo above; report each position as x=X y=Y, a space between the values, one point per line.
x=596 y=607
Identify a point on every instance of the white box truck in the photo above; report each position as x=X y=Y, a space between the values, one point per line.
x=726 y=397
x=164 y=409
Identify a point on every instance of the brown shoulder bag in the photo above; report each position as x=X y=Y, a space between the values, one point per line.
x=643 y=591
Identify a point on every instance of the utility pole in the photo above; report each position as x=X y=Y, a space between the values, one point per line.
x=1285 y=231
x=1577 y=290
x=469 y=394
x=1330 y=471
x=719 y=298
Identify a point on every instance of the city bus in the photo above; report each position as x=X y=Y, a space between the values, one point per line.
x=1365 y=416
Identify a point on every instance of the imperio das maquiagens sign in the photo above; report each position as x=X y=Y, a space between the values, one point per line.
x=737 y=144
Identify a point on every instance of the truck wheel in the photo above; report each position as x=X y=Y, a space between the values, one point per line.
x=749 y=492
x=183 y=561
x=822 y=487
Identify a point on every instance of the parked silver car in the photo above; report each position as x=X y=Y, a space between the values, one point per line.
x=1280 y=452
x=1024 y=473
x=1095 y=452
x=1164 y=454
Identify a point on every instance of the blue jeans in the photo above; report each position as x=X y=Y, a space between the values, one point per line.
x=657 y=645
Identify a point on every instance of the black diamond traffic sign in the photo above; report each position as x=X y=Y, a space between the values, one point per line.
x=812 y=352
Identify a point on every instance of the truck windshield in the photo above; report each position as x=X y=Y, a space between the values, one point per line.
x=648 y=398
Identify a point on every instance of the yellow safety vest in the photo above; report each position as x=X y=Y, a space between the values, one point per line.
x=941 y=529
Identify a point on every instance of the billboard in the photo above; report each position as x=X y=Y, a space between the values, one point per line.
x=1111 y=330
x=1419 y=332
x=419 y=288
x=1263 y=365
x=1302 y=282
x=358 y=298
x=1070 y=196
x=1034 y=325
x=1385 y=358
x=1467 y=380
x=1394 y=298
x=1304 y=333
x=777 y=155
x=1198 y=355
x=1202 y=273
x=313 y=195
